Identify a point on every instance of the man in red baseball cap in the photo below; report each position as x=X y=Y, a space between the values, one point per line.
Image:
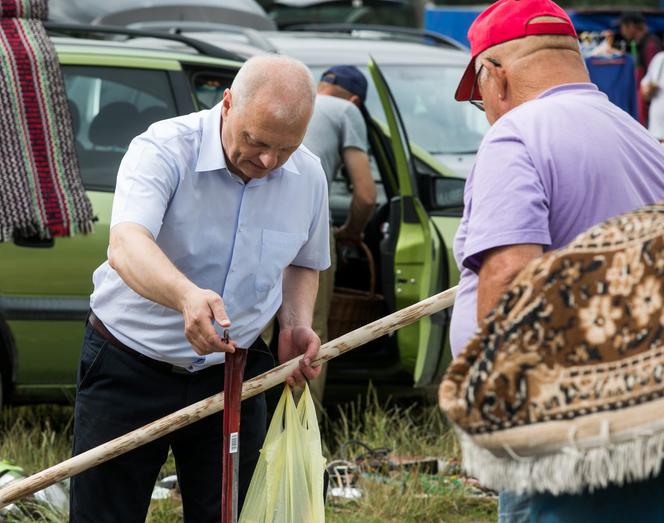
x=509 y=20
x=558 y=159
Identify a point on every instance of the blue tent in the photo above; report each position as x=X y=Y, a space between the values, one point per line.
x=600 y=19
x=451 y=21
x=455 y=21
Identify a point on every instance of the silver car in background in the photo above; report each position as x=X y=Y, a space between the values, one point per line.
x=421 y=76
x=421 y=69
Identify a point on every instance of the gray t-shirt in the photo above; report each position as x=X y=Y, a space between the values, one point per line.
x=335 y=125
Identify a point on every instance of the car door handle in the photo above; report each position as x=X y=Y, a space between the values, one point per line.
x=410 y=281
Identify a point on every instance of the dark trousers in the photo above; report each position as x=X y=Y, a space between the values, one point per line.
x=118 y=393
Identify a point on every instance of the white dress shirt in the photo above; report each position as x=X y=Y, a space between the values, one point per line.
x=232 y=237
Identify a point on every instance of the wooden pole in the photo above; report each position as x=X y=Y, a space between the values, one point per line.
x=183 y=417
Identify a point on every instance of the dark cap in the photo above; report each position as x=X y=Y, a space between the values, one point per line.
x=632 y=17
x=349 y=77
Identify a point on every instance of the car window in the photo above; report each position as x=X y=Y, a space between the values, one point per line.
x=109 y=106
x=209 y=88
x=433 y=119
x=341 y=193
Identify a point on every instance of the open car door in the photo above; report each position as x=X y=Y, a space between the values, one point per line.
x=413 y=247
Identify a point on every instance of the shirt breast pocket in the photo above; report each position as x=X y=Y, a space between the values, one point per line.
x=278 y=250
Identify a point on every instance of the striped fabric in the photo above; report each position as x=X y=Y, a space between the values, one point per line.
x=41 y=193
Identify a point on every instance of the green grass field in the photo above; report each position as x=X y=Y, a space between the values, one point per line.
x=40 y=436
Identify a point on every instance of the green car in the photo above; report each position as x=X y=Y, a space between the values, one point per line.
x=115 y=91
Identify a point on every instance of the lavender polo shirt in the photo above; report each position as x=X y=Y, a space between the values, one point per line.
x=545 y=172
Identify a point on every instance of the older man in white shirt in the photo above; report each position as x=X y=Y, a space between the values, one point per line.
x=219 y=220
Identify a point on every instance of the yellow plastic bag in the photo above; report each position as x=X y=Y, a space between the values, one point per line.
x=287 y=486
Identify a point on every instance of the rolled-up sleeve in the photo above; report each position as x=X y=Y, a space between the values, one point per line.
x=146 y=182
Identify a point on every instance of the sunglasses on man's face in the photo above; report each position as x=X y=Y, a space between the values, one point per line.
x=480 y=103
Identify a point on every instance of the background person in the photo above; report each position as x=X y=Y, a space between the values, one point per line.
x=216 y=222
x=643 y=46
x=651 y=89
x=558 y=159
x=337 y=134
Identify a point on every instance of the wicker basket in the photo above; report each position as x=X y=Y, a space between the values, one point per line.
x=350 y=308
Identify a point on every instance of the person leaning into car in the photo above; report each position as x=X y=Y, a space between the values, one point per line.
x=217 y=223
x=337 y=134
x=558 y=159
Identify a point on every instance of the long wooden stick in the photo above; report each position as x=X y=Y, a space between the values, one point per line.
x=183 y=417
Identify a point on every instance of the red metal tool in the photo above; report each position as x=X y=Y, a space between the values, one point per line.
x=233 y=374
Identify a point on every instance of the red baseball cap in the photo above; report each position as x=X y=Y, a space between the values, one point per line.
x=508 y=20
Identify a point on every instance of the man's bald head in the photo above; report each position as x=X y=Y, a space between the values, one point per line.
x=278 y=84
x=265 y=114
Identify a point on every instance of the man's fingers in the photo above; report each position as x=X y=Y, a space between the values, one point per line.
x=205 y=307
x=303 y=373
x=213 y=340
x=209 y=342
x=309 y=372
x=219 y=312
x=297 y=378
x=311 y=353
x=217 y=344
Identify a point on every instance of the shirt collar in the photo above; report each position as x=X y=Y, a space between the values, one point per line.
x=211 y=155
x=566 y=88
x=290 y=164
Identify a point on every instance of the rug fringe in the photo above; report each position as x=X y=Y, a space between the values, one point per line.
x=570 y=471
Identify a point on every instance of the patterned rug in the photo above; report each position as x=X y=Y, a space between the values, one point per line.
x=562 y=388
x=41 y=193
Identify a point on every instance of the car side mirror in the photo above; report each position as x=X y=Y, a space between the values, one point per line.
x=448 y=193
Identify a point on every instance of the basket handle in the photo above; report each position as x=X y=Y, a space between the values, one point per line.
x=372 y=268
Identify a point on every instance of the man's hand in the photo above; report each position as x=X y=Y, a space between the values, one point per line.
x=201 y=308
x=345 y=235
x=649 y=90
x=143 y=266
x=293 y=342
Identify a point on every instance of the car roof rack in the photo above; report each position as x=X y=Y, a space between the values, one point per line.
x=393 y=31
x=253 y=36
x=203 y=48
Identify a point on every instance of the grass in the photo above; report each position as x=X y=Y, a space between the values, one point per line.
x=40 y=436
x=397 y=496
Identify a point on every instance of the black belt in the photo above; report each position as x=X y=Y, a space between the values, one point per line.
x=101 y=329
